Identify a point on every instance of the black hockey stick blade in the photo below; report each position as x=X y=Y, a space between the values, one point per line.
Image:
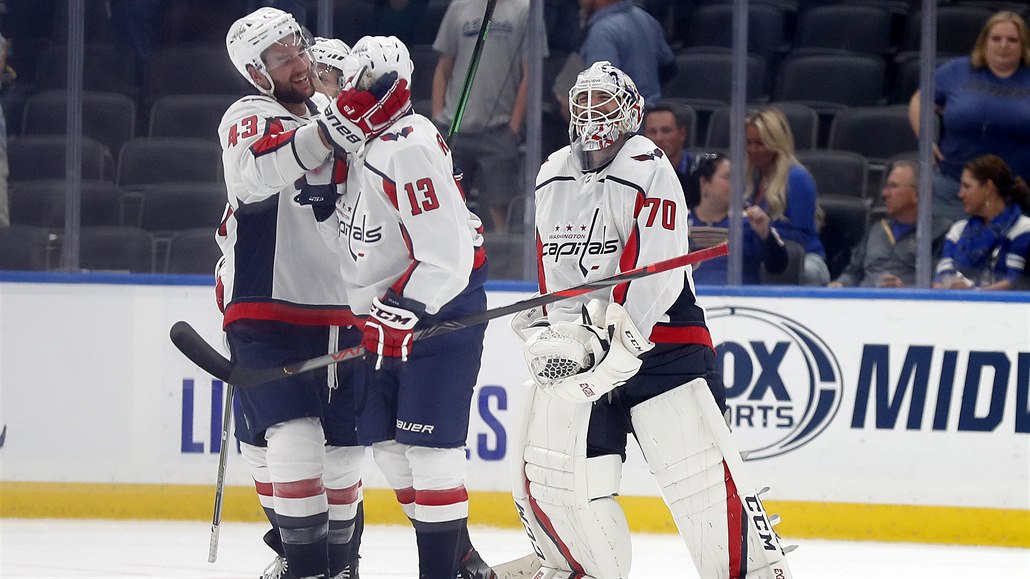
x=189 y=342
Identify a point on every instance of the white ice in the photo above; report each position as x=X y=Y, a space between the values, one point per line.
x=61 y=548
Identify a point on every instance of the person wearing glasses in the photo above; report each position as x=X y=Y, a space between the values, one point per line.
x=784 y=189
x=709 y=182
x=886 y=257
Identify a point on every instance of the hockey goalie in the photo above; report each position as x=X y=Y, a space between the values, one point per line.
x=638 y=360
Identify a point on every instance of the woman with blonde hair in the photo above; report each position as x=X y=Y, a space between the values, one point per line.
x=984 y=102
x=784 y=189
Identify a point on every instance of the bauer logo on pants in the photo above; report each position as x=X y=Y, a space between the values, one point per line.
x=783 y=383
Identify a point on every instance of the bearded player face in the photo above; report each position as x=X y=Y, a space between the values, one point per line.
x=289 y=66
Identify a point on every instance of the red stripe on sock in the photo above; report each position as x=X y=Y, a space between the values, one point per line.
x=263 y=489
x=345 y=496
x=300 y=489
x=405 y=496
x=441 y=498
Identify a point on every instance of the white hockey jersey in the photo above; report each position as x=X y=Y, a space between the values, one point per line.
x=276 y=265
x=626 y=215
x=402 y=223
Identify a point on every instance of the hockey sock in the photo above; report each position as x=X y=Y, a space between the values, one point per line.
x=344 y=541
x=438 y=548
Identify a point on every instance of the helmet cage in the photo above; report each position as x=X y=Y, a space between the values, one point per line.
x=329 y=53
x=605 y=108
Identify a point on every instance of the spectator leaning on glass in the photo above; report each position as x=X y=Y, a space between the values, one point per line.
x=989 y=250
x=709 y=181
x=784 y=189
x=887 y=255
x=984 y=100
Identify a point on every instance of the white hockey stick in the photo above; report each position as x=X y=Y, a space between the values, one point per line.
x=223 y=452
x=520 y=568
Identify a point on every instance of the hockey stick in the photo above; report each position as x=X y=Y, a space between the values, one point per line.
x=216 y=517
x=466 y=87
x=523 y=567
x=189 y=342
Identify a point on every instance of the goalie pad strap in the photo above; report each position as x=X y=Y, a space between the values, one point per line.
x=689 y=449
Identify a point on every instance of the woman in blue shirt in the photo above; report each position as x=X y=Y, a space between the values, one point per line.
x=784 y=189
x=984 y=100
x=987 y=251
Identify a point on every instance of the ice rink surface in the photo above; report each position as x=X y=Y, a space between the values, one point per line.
x=61 y=548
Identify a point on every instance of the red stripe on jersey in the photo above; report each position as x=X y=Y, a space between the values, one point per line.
x=347 y=496
x=405 y=496
x=548 y=527
x=441 y=498
x=301 y=489
x=628 y=261
x=223 y=230
x=340 y=170
x=291 y=314
x=541 y=281
x=735 y=526
x=263 y=489
x=391 y=191
x=398 y=286
x=662 y=334
x=274 y=138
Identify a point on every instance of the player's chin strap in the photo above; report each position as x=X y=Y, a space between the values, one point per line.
x=718 y=511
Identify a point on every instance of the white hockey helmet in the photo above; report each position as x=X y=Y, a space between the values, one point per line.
x=250 y=36
x=374 y=56
x=331 y=53
x=605 y=106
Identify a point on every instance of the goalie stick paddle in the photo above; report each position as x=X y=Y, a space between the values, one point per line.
x=194 y=347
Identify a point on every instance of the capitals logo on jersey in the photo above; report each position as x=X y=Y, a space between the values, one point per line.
x=655 y=154
x=398 y=135
x=358 y=230
x=579 y=241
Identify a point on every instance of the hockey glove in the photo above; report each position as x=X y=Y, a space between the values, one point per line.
x=565 y=348
x=358 y=116
x=390 y=328
x=319 y=188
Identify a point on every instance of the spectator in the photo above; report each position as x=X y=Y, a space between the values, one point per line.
x=782 y=187
x=987 y=251
x=710 y=182
x=887 y=255
x=984 y=100
x=630 y=39
x=487 y=147
x=664 y=126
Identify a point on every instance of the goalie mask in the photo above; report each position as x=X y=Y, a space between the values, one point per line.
x=330 y=55
x=606 y=109
x=250 y=38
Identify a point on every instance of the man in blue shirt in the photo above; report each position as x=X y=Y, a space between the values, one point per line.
x=632 y=40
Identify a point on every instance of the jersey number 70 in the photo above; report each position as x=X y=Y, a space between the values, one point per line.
x=668 y=209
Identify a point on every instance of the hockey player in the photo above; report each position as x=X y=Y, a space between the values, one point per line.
x=413 y=251
x=640 y=359
x=329 y=55
x=285 y=301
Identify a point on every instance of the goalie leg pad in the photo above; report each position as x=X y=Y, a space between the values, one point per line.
x=565 y=499
x=689 y=449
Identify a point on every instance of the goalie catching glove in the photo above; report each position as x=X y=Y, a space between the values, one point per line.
x=390 y=328
x=582 y=362
x=357 y=116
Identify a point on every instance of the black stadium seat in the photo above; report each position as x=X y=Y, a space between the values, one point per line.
x=193 y=251
x=33 y=158
x=116 y=249
x=107 y=117
x=24 y=248
x=42 y=203
x=194 y=116
x=148 y=161
x=836 y=172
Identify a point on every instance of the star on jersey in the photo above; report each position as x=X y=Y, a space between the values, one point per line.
x=397 y=135
x=655 y=154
